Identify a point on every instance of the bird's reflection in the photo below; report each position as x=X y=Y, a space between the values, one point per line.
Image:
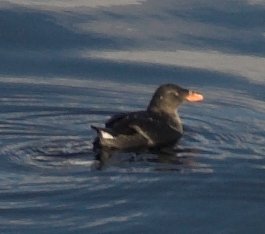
x=174 y=158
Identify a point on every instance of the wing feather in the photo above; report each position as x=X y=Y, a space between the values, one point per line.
x=155 y=129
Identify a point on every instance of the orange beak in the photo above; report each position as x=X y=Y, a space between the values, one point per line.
x=194 y=96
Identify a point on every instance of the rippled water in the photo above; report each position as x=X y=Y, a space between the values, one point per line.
x=67 y=65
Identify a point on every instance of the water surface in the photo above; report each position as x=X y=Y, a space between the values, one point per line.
x=67 y=65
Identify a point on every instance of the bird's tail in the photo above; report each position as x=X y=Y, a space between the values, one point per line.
x=104 y=138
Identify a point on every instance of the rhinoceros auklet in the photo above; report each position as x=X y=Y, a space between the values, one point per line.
x=158 y=126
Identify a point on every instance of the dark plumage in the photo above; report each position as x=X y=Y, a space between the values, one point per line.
x=157 y=126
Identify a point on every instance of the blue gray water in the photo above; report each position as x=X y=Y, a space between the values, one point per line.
x=65 y=65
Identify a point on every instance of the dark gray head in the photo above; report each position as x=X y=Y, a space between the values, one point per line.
x=168 y=97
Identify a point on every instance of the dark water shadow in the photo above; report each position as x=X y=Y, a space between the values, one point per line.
x=36 y=30
x=250 y=46
x=224 y=14
x=239 y=16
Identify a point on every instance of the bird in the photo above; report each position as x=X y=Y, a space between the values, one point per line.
x=156 y=127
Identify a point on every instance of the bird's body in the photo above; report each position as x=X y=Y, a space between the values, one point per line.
x=158 y=126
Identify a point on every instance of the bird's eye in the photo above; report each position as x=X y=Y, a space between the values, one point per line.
x=174 y=93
